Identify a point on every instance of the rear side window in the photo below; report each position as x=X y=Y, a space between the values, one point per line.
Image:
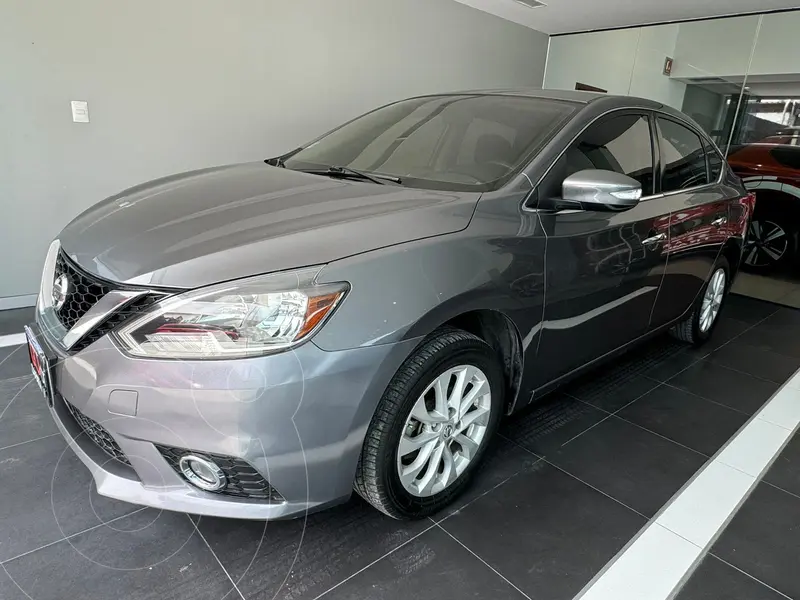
x=682 y=156
x=621 y=144
x=788 y=156
x=714 y=162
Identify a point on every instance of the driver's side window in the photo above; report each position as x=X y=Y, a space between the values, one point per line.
x=619 y=143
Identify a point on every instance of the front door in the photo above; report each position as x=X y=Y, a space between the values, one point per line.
x=603 y=269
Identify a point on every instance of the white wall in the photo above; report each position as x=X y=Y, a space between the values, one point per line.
x=630 y=61
x=722 y=47
x=602 y=59
x=180 y=84
x=648 y=80
x=718 y=48
x=624 y=61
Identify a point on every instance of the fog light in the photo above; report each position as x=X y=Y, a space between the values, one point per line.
x=202 y=473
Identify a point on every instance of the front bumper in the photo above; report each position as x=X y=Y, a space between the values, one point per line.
x=298 y=418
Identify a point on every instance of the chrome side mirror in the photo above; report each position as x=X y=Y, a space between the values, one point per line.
x=595 y=189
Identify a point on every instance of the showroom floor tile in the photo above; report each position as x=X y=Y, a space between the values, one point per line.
x=752 y=360
x=54 y=496
x=546 y=531
x=12 y=321
x=636 y=467
x=14 y=362
x=565 y=487
x=763 y=539
x=430 y=567
x=735 y=389
x=785 y=471
x=149 y=555
x=685 y=418
x=716 y=580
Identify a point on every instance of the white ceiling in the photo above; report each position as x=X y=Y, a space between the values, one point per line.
x=566 y=16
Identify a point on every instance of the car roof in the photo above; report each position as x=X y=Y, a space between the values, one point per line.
x=578 y=97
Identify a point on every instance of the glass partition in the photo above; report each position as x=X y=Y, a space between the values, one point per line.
x=699 y=67
x=738 y=78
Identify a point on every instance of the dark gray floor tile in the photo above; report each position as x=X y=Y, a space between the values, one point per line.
x=611 y=393
x=305 y=557
x=714 y=580
x=545 y=531
x=685 y=418
x=432 y=567
x=12 y=321
x=149 y=555
x=760 y=363
x=763 y=539
x=782 y=319
x=727 y=329
x=749 y=310
x=53 y=496
x=23 y=412
x=783 y=341
x=542 y=429
x=659 y=359
x=726 y=386
x=785 y=471
x=504 y=460
x=638 y=468
x=671 y=366
x=14 y=362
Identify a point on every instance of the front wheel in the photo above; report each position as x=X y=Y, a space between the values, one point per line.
x=699 y=325
x=432 y=426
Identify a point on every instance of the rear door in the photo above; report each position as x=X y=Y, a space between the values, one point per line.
x=689 y=185
x=603 y=269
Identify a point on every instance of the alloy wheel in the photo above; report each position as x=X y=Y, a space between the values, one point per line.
x=712 y=300
x=444 y=431
x=766 y=244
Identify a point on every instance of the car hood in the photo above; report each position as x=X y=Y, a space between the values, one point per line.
x=223 y=223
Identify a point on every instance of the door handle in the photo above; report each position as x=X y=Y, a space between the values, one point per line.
x=655 y=239
x=719 y=222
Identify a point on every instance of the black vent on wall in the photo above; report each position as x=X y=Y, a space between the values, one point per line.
x=531 y=3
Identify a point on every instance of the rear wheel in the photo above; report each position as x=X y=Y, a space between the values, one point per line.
x=771 y=241
x=699 y=325
x=432 y=426
x=769 y=244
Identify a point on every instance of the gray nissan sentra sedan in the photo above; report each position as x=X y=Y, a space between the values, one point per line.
x=258 y=340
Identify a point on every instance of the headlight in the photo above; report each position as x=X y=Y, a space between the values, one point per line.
x=249 y=317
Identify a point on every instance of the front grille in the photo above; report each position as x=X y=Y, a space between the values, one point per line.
x=243 y=479
x=98 y=434
x=83 y=292
x=138 y=305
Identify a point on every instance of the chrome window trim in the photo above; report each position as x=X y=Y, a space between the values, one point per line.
x=653 y=111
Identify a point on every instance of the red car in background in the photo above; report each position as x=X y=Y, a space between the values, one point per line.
x=772 y=171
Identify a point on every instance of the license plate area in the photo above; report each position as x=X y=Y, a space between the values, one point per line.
x=41 y=366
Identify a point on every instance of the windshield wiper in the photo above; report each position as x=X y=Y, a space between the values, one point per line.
x=336 y=171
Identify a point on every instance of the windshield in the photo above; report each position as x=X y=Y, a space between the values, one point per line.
x=463 y=142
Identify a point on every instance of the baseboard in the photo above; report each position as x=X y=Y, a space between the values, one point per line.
x=18 y=301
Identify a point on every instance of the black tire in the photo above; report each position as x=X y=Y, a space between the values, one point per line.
x=689 y=329
x=377 y=480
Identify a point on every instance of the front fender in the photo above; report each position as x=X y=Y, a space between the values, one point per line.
x=408 y=290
